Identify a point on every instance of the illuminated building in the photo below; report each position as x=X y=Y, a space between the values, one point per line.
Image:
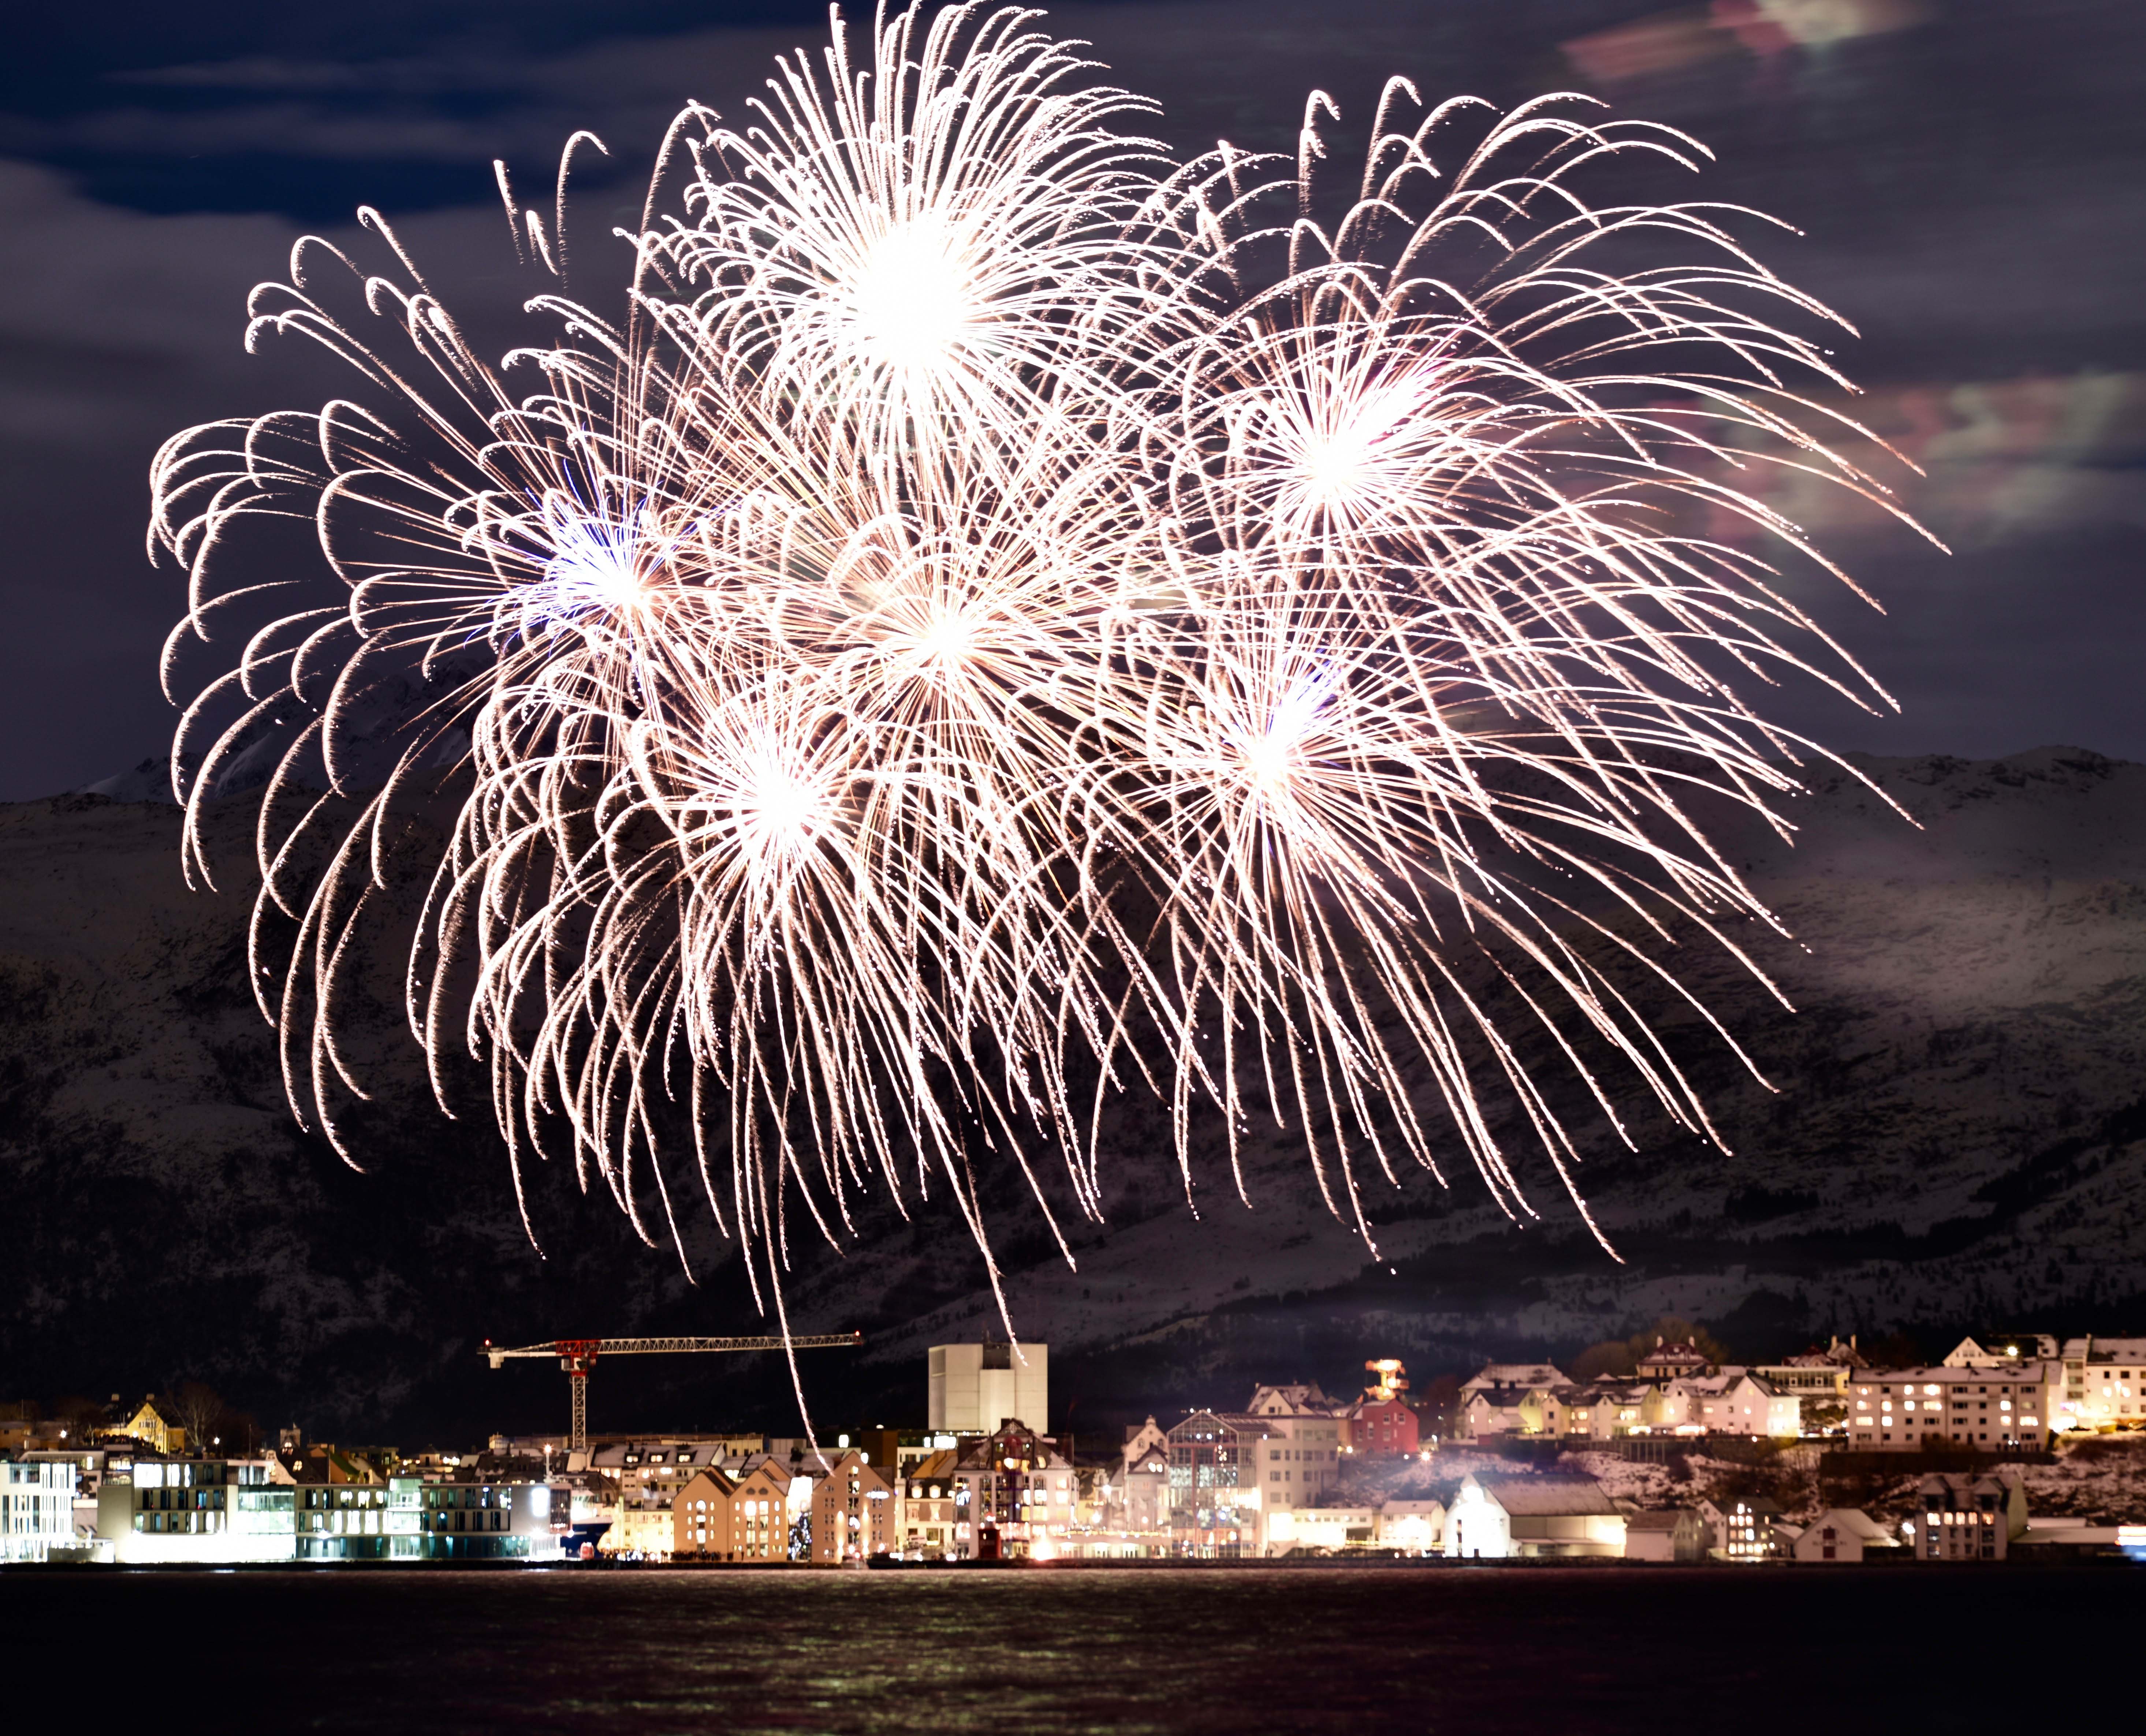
x=760 y=1512
x=149 y=1426
x=1671 y=1534
x=931 y=1507
x=2000 y=1349
x=1216 y=1491
x=478 y=1520
x=1296 y=1466
x=976 y=1388
x=1680 y=1361
x=1733 y=1401
x=1817 y=1374
x=1742 y=1527
x=1013 y=1494
x=1142 y=1492
x=1493 y=1517
x=1505 y=1398
x=745 y=1511
x=36 y=1508
x=1902 y=1410
x=154 y=1510
x=1967 y=1518
x=700 y=1517
x=1007 y=1494
x=650 y=1474
x=1843 y=1534
x=853 y=1512
x=1303 y=1398
x=2104 y=1384
x=1383 y=1426
x=1329 y=1530
x=1414 y=1528
x=1606 y=1409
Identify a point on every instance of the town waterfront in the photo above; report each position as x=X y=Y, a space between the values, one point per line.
x=1043 y=1651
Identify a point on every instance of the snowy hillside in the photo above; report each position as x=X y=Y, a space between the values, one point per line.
x=1956 y=1137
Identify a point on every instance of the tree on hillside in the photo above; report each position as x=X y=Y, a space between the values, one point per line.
x=1436 y=1405
x=1620 y=1356
x=1613 y=1356
x=1669 y=1329
x=195 y=1407
x=82 y=1417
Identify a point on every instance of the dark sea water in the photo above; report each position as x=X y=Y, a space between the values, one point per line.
x=1042 y=1652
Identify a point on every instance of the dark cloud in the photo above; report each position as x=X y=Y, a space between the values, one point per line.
x=1965 y=177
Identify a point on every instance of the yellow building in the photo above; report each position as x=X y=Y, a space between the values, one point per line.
x=148 y=1426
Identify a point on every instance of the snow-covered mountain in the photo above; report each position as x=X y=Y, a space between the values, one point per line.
x=1955 y=1138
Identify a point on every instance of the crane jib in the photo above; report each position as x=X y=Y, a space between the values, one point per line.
x=576 y=1356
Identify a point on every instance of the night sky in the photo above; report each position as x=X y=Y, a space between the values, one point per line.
x=1966 y=173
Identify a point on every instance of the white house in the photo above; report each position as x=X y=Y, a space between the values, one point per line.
x=1493 y=1518
x=1334 y=1529
x=1477 y=1526
x=1414 y=1528
x=1514 y=1374
x=1840 y=1534
x=1514 y=1398
x=1733 y=1402
x=2008 y=1350
x=1670 y=1534
x=1292 y=1400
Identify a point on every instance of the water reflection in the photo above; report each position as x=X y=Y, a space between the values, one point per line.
x=1244 y=1652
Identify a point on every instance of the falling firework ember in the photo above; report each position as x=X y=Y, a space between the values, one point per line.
x=1000 y=618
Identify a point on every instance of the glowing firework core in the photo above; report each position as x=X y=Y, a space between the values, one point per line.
x=910 y=302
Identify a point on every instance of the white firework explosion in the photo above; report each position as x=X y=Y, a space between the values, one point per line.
x=1003 y=617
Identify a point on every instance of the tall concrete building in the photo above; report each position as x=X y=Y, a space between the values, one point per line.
x=977 y=1389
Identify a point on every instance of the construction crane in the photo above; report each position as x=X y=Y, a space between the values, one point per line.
x=578 y=1355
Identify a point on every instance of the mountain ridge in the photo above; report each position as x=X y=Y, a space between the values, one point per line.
x=1956 y=1137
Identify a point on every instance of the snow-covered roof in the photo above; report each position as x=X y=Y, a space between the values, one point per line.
x=1516 y=1373
x=1855 y=1521
x=2105 y=1349
x=1547 y=1497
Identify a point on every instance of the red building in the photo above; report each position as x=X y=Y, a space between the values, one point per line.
x=1384 y=1425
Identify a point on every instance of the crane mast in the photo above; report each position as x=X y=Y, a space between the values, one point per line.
x=578 y=1356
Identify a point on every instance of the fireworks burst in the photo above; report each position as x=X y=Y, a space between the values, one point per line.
x=1002 y=617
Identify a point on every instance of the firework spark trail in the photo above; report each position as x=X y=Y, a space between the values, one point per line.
x=1004 y=617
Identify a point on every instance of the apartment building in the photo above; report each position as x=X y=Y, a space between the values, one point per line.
x=2103 y=1384
x=36 y=1508
x=1968 y=1518
x=1906 y=1410
x=1296 y=1456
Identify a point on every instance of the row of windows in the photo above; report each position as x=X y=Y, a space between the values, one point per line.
x=1907 y=1388
x=164 y=1500
x=465 y=1521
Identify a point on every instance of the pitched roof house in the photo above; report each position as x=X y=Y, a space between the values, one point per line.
x=1494 y=1517
x=1842 y=1534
